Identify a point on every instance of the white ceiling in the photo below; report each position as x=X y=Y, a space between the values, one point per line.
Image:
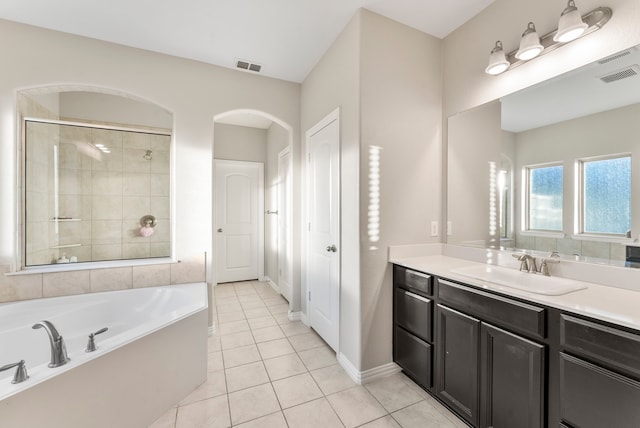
x=287 y=37
x=575 y=94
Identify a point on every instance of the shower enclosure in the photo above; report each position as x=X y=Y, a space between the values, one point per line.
x=94 y=193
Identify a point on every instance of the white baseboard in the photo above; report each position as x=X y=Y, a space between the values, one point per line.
x=273 y=285
x=348 y=367
x=368 y=375
x=298 y=316
x=379 y=372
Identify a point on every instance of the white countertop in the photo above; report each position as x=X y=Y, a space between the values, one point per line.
x=615 y=305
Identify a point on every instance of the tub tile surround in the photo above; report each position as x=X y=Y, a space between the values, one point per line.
x=276 y=383
x=53 y=284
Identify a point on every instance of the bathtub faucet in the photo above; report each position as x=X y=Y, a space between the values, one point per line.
x=58 y=349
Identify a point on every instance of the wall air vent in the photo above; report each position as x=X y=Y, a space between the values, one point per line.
x=615 y=57
x=248 y=66
x=630 y=71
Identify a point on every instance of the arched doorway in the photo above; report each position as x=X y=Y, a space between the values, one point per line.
x=251 y=136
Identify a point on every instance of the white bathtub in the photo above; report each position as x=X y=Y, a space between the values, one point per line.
x=153 y=355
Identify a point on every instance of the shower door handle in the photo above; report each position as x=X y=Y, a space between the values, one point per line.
x=220 y=230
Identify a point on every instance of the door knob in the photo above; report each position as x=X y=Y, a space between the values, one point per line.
x=220 y=230
x=332 y=248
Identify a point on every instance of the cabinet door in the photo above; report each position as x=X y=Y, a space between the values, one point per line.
x=512 y=380
x=457 y=362
x=593 y=397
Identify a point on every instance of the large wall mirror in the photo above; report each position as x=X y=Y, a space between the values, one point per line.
x=96 y=178
x=553 y=167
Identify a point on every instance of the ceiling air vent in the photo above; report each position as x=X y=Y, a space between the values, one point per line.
x=615 y=57
x=248 y=66
x=630 y=71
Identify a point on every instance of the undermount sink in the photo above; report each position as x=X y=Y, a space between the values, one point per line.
x=530 y=282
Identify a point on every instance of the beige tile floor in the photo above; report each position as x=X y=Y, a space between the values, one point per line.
x=267 y=371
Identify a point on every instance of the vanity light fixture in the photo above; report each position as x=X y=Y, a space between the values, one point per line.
x=530 y=46
x=570 y=27
x=497 y=61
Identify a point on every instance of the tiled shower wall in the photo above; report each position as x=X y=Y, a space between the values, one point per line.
x=100 y=196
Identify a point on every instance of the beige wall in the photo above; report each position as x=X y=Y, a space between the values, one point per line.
x=474 y=144
x=106 y=108
x=334 y=82
x=240 y=143
x=401 y=112
x=193 y=92
x=389 y=98
x=277 y=140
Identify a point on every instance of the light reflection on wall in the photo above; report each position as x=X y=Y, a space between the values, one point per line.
x=493 y=217
x=7 y=184
x=373 y=210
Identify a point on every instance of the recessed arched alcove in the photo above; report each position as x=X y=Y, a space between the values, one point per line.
x=95 y=163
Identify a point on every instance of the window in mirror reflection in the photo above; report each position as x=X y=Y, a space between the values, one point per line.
x=544 y=197
x=605 y=191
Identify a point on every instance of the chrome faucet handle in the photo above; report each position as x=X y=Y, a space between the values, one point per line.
x=544 y=269
x=21 y=371
x=91 y=344
x=522 y=258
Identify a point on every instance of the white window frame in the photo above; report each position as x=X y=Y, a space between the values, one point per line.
x=579 y=200
x=526 y=196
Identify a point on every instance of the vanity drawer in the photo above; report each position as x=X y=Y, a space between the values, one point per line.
x=617 y=349
x=511 y=314
x=414 y=356
x=593 y=397
x=414 y=313
x=412 y=280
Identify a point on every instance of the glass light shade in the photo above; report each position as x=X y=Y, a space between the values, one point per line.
x=497 y=61
x=571 y=26
x=530 y=46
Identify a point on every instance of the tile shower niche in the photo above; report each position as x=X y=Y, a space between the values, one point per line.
x=89 y=191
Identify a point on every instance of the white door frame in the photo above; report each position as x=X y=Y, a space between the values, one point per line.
x=333 y=116
x=286 y=152
x=260 y=244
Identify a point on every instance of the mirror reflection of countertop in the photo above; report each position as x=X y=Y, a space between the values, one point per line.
x=606 y=303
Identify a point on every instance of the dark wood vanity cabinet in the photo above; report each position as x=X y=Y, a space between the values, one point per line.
x=512 y=375
x=457 y=364
x=599 y=375
x=413 y=319
x=503 y=362
x=490 y=376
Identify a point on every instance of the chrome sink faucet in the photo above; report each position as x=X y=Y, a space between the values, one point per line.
x=528 y=263
x=59 y=355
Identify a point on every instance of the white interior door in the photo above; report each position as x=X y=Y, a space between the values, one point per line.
x=284 y=224
x=239 y=200
x=323 y=238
